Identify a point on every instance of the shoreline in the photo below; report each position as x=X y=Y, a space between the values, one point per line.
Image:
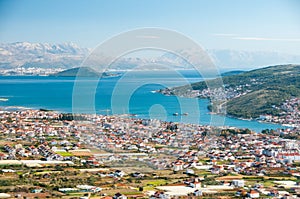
x=33 y=101
x=256 y=120
x=134 y=116
x=227 y=115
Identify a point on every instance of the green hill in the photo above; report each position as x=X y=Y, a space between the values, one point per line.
x=234 y=72
x=254 y=92
x=84 y=72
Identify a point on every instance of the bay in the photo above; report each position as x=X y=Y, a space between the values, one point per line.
x=133 y=93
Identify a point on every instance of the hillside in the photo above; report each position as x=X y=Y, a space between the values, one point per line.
x=253 y=93
x=85 y=72
x=233 y=72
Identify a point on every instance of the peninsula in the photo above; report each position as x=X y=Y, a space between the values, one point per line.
x=261 y=93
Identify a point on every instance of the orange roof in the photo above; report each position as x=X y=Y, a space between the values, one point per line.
x=253 y=192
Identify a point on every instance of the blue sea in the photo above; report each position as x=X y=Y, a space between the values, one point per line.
x=132 y=93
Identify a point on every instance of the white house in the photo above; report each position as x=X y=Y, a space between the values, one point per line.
x=238 y=183
x=178 y=166
x=197 y=193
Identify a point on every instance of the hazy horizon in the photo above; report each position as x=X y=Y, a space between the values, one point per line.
x=271 y=25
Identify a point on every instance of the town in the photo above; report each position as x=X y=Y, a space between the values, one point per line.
x=29 y=71
x=46 y=154
x=289 y=114
x=288 y=111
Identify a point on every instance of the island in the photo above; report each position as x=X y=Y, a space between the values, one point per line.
x=84 y=72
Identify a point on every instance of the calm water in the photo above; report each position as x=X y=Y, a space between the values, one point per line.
x=131 y=93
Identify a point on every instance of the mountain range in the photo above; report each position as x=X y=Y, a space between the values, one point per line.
x=45 y=55
x=70 y=55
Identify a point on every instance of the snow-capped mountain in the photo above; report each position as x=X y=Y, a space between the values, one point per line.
x=233 y=59
x=69 y=55
x=41 y=54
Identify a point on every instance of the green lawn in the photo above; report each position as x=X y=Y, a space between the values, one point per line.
x=149 y=185
x=155 y=183
x=64 y=153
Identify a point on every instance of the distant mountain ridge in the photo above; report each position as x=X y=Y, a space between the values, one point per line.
x=25 y=54
x=243 y=59
x=70 y=55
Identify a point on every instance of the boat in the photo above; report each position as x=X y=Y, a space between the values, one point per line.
x=185 y=114
x=175 y=114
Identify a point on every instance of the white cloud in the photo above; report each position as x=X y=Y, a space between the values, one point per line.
x=267 y=39
x=224 y=35
x=148 y=37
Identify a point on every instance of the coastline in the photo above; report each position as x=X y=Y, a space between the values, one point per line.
x=227 y=115
x=131 y=116
x=41 y=97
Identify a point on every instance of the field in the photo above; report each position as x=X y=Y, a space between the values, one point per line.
x=64 y=153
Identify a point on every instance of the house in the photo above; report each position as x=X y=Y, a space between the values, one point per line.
x=253 y=194
x=119 y=173
x=214 y=162
x=194 y=183
x=119 y=196
x=197 y=193
x=287 y=197
x=178 y=166
x=217 y=169
x=160 y=195
x=37 y=190
x=238 y=183
x=242 y=193
x=5 y=195
x=3 y=156
x=190 y=172
x=7 y=172
x=68 y=190
x=88 y=188
x=274 y=193
x=289 y=155
x=138 y=175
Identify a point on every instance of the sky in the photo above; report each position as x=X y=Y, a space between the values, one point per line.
x=268 y=25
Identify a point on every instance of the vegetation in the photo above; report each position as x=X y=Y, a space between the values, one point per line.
x=267 y=87
x=64 y=153
x=234 y=72
x=84 y=72
x=80 y=71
